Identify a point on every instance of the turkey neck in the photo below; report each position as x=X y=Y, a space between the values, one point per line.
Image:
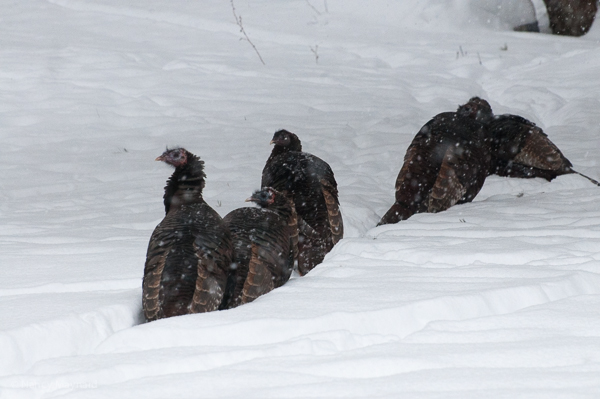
x=185 y=184
x=285 y=208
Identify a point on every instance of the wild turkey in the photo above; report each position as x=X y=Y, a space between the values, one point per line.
x=189 y=253
x=309 y=182
x=571 y=17
x=446 y=164
x=519 y=147
x=265 y=247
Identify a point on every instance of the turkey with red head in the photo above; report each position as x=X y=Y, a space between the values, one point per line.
x=265 y=247
x=310 y=183
x=189 y=252
x=446 y=164
x=519 y=147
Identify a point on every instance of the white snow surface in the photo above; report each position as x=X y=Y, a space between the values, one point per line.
x=499 y=298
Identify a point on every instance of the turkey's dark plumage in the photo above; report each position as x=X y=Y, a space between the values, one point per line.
x=571 y=17
x=189 y=252
x=446 y=164
x=265 y=247
x=310 y=183
x=519 y=148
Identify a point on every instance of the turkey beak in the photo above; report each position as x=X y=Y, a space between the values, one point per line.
x=272 y=142
x=249 y=199
x=160 y=158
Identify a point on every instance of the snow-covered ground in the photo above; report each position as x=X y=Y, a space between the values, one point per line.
x=499 y=298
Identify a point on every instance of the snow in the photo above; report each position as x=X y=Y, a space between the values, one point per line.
x=497 y=298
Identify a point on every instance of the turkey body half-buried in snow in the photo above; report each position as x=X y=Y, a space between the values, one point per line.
x=189 y=252
x=446 y=164
x=265 y=246
x=309 y=182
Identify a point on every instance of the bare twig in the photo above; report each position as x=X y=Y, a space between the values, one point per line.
x=314 y=9
x=238 y=21
x=316 y=52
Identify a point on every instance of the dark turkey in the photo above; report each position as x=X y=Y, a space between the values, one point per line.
x=309 y=182
x=190 y=250
x=571 y=17
x=265 y=246
x=519 y=148
x=446 y=164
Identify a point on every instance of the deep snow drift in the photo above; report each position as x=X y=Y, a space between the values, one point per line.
x=493 y=299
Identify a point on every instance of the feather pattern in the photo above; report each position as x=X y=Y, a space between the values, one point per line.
x=447 y=189
x=522 y=149
x=336 y=224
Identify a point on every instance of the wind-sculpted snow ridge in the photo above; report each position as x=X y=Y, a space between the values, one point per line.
x=67 y=335
x=244 y=338
x=369 y=325
x=107 y=285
